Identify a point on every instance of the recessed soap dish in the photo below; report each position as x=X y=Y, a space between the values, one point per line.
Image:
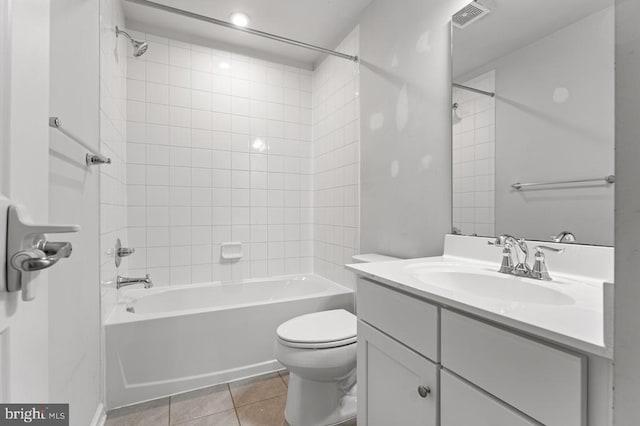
x=231 y=251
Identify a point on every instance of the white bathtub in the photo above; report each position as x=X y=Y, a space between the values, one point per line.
x=188 y=337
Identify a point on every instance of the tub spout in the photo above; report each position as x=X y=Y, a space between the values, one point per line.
x=124 y=282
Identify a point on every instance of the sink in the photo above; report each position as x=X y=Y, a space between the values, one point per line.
x=493 y=285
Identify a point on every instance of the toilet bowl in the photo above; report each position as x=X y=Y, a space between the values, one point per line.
x=319 y=350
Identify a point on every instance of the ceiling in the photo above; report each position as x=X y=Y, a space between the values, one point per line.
x=513 y=24
x=320 y=22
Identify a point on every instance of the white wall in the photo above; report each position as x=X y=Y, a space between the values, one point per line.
x=474 y=150
x=627 y=215
x=555 y=121
x=75 y=374
x=113 y=189
x=405 y=97
x=218 y=150
x=336 y=163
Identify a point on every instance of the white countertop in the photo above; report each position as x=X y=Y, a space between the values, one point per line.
x=575 y=316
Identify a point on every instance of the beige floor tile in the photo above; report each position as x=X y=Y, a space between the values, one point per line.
x=200 y=403
x=285 y=376
x=153 y=413
x=269 y=412
x=226 y=418
x=257 y=389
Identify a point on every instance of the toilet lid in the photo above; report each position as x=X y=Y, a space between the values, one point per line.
x=319 y=329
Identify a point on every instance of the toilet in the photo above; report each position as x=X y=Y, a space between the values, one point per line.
x=319 y=350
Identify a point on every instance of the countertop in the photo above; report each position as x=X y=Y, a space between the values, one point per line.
x=578 y=317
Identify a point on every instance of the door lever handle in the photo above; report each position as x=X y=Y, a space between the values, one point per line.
x=28 y=251
x=45 y=255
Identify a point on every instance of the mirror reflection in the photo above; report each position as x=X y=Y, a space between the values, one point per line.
x=533 y=120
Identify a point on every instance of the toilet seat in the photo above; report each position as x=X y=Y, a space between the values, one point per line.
x=319 y=330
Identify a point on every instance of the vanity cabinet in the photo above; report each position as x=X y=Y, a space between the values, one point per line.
x=396 y=385
x=477 y=372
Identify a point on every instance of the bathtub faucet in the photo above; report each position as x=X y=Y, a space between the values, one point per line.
x=123 y=282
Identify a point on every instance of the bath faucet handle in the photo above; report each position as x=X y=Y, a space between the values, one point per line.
x=540 y=270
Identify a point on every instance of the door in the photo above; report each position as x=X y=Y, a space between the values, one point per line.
x=24 y=156
x=396 y=386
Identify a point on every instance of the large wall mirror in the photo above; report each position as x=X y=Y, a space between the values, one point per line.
x=533 y=119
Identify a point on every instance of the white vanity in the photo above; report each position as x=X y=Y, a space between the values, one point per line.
x=449 y=341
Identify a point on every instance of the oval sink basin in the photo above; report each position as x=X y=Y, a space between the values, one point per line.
x=495 y=286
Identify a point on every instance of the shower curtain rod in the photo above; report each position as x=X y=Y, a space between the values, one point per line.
x=243 y=29
x=473 y=89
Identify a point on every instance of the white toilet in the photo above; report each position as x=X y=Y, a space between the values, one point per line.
x=319 y=350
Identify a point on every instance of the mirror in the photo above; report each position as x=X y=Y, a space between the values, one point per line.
x=533 y=103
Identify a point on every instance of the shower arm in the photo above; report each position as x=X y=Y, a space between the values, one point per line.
x=126 y=34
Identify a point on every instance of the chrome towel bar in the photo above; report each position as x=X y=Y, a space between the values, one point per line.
x=607 y=179
x=94 y=157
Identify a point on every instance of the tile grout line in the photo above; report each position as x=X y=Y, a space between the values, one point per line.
x=169 y=419
x=235 y=409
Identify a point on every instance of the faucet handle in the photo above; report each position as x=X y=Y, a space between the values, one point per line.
x=540 y=270
x=541 y=249
x=564 y=237
x=500 y=241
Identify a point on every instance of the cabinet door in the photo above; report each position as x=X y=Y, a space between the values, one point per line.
x=463 y=405
x=396 y=386
x=546 y=383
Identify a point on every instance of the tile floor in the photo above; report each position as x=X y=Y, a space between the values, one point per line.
x=257 y=401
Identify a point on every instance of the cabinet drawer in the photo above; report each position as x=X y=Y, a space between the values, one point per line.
x=463 y=405
x=543 y=382
x=411 y=321
x=396 y=386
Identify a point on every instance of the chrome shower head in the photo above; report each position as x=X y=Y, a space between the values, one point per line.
x=139 y=47
x=456 y=117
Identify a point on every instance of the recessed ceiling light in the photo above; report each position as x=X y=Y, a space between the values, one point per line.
x=224 y=65
x=239 y=19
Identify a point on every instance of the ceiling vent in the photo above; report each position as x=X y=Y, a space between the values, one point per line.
x=469 y=14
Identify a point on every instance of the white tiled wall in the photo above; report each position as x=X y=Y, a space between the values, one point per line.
x=336 y=163
x=474 y=159
x=218 y=149
x=113 y=199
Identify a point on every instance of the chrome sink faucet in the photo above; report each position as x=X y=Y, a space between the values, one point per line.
x=520 y=267
x=124 y=282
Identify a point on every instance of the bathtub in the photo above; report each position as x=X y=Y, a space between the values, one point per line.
x=163 y=341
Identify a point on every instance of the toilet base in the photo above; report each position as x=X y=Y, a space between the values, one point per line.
x=311 y=403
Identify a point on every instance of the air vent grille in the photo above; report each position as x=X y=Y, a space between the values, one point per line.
x=469 y=14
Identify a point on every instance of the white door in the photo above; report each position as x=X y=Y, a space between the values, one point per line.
x=24 y=153
x=396 y=386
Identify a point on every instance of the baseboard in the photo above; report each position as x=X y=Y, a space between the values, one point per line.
x=100 y=417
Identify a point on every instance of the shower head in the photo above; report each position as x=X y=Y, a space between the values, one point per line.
x=456 y=117
x=139 y=47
